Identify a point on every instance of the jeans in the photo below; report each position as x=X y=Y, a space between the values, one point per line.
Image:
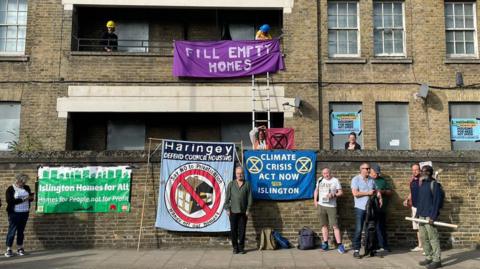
x=359 y=221
x=238 y=224
x=17 y=222
x=382 y=230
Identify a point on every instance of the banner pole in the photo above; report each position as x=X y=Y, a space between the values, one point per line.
x=144 y=195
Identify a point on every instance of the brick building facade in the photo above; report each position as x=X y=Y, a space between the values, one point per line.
x=68 y=97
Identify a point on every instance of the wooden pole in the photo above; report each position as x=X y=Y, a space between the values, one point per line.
x=144 y=195
x=436 y=223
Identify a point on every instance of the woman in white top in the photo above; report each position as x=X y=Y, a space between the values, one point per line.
x=18 y=197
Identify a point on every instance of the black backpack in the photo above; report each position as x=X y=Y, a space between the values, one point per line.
x=442 y=192
x=371 y=219
x=306 y=238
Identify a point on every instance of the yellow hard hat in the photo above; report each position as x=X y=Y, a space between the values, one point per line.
x=111 y=24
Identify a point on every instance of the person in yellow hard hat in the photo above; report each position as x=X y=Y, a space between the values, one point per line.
x=109 y=38
x=263 y=33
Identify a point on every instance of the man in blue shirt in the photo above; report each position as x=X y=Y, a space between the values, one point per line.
x=362 y=187
x=429 y=201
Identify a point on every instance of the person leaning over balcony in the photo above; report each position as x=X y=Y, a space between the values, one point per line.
x=263 y=33
x=352 y=144
x=109 y=38
x=258 y=137
x=19 y=197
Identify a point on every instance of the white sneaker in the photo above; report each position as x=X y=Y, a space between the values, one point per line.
x=416 y=249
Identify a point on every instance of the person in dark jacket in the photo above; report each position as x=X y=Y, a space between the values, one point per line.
x=18 y=197
x=428 y=208
x=109 y=38
x=352 y=144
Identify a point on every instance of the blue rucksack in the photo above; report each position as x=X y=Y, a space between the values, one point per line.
x=282 y=242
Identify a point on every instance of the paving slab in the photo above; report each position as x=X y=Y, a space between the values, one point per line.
x=223 y=258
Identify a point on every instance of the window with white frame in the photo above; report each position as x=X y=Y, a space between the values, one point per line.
x=343 y=29
x=13 y=26
x=389 y=29
x=461 y=29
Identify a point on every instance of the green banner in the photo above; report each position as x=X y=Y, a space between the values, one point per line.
x=83 y=189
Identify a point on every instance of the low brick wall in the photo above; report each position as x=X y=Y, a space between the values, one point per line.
x=461 y=171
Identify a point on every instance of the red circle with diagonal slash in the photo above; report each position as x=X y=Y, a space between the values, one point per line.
x=209 y=212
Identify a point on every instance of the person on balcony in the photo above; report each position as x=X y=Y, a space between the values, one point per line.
x=263 y=33
x=109 y=38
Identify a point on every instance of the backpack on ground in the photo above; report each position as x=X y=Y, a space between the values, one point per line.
x=306 y=238
x=442 y=192
x=282 y=242
x=267 y=241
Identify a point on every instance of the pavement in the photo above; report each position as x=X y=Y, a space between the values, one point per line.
x=223 y=258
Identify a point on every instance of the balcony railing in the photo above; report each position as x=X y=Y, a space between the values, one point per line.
x=163 y=48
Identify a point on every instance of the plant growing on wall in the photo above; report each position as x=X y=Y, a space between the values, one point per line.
x=28 y=144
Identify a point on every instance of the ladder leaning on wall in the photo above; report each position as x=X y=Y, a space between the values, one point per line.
x=261 y=100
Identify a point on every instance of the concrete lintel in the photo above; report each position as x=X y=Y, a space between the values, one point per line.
x=285 y=5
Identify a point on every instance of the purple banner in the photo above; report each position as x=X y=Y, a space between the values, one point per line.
x=226 y=59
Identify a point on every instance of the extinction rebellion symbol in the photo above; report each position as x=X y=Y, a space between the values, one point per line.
x=194 y=195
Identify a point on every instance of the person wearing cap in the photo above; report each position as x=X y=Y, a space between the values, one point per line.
x=263 y=33
x=382 y=186
x=109 y=38
x=430 y=200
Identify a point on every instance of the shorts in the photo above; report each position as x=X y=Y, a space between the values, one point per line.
x=328 y=215
x=414 y=223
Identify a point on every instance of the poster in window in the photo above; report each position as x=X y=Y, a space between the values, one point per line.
x=345 y=122
x=465 y=129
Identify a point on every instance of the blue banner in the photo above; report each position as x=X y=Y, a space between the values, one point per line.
x=467 y=129
x=281 y=174
x=193 y=180
x=345 y=122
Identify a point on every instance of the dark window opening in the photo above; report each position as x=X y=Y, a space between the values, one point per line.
x=126 y=131
x=153 y=30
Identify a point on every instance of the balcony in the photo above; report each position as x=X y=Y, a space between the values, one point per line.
x=152 y=31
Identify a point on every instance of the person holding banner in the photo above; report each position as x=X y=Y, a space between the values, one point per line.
x=352 y=144
x=430 y=199
x=362 y=188
x=19 y=197
x=258 y=137
x=238 y=202
x=325 y=199
x=412 y=201
x=263 y=33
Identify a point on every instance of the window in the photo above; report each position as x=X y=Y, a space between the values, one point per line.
x=13 y=26
x=339 y=134
x=392 y=126
x=343 y=34
x=125 y=135
x=9 y=124
x=389 y=30
x=132 y=36
x=461 y=32
x=465 y=126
